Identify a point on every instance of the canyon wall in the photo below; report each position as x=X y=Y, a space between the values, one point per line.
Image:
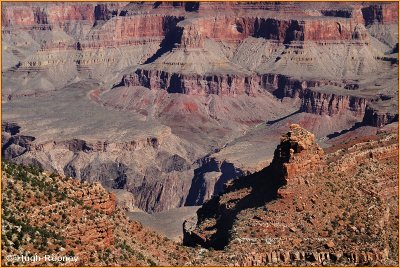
x=331 y=104
x=192 y=84
x=189 y=48
x=161 y=183
x=52 y=15
x=385 y=13
x=376 y=118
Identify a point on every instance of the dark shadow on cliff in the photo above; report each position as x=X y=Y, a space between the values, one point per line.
x=197 y=190
x=173 y=36
x=264 y=186
x=198 y=187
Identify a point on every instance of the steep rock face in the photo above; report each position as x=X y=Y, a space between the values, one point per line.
x=385 y=13
x=76 y=145
x=290 y=155
x=229 y=28
x=105 y=11
x=331 y=104
x=376 y=118
x=339 y=29
x=192 y=84
x=122 y=28
x=59 y=14
x=192 y=36
x=284 y=86
x=308 y=30
x=209 y=179
x=297 y=155
x=21 y=16
x=12 y=143
x=139 y=35
x=162 y=192
x=235 y=29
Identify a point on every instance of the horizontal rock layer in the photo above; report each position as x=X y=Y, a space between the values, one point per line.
x=330 y=104
x=192 y=84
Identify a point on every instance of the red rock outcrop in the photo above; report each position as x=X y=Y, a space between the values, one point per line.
x=192 y=36
x=291 y=154
x=296 y=156
x=277 y=216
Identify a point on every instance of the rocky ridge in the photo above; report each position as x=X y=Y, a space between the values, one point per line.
x=280 y=215
x=49 y=214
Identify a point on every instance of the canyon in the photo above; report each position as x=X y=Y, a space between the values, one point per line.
x=166 y=104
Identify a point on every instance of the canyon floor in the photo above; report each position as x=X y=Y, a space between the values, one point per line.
x=180 y=112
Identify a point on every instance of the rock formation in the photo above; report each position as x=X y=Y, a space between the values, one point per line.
x=94 y=161
x=185 y=84
x=331 y=104
x=280 y=214
x=379 y=117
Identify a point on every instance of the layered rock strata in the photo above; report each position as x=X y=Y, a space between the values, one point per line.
x=315 y=53
x=331 y=104
x=112 y=163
